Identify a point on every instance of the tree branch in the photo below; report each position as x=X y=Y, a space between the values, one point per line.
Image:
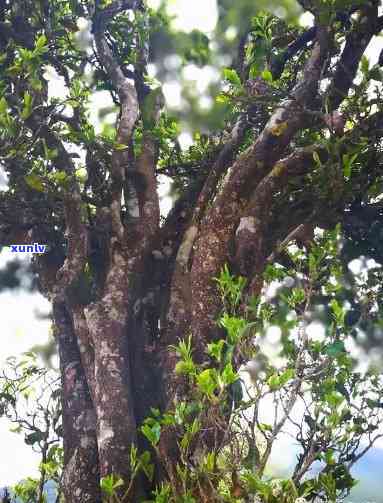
x=255 y=219
x=212 y=248
x=128 y=117
x=356 y=43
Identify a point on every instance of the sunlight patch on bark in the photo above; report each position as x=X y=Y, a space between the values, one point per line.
x=184 y=251
x=247 y=224
x=106 y=433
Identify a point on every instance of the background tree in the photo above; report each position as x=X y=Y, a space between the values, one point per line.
x=30 y=399
x=299 y=148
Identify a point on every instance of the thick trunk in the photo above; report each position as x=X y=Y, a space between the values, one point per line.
x=81 y=471
x=116 y=425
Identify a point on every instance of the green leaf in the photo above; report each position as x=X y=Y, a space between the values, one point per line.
x=27 y=109
x=253 y=456
x=152 y=433
x=254 y=72
x=184 y=349
x=364 y=65
x=185 y=368
x=25 y=54
x=296 y=297
x=59 y=177
x=195 y=427
x=376 y=74
x=3 y=106
x=36 y=84
x=316 y=158
x=8 y=397
x=228 y=375
x=334 y=399
x=41 y=42
x=208 y=462
x=274 y=382
x=109 y=484
x=266 y=75
x=41 y=46
x=153 y=104
x=34 y=182
x=73 y=103
x=234 y=326
x=222 y=98
x=81 y=175
x=348 y=162
x=207 y=381
x=329 y=457
x=32 y=438
x=214 y=349
x=338 y=312
x=335 y=349
x=120 y=146
x=185 y=441
x=147 y=467
x=15 y=429
x=133 y=457
x=232 y=76
x=286 y=376
x=265 y=427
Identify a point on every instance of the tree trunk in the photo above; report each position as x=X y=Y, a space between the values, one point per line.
x=81 y=473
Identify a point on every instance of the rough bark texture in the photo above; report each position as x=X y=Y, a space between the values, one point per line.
x=81 y=473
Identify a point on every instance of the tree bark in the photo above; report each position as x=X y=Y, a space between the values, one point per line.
x=81 y=479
